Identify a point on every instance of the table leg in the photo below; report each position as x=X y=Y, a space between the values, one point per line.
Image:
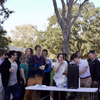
x=32 y=95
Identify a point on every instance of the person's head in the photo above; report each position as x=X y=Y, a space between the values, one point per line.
x=44 y=52
x=23 y=58
x=60 y=57
x=92 y=54
x=38 y=50
x=2 y=54
x=29 y=52
x=13 y=55
x=65 y=56
x=18 y=54
x=78 y=53
x=26 y=51
x=74 y=58
x=6 y=55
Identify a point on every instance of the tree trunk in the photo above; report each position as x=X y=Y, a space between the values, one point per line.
x=66 y=41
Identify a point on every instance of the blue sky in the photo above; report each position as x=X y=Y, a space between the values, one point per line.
x=35 y=12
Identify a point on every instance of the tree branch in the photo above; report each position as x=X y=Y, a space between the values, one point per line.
x=63 y=9
x=75 y=2
x=80 y=8
x=56 y=11
x=60 y=20
x=67 y=1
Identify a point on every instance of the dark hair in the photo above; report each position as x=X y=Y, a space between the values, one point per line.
x=19 y=53
x=37 y=46
x=92 y=51
x=45 y=51
x=6 y=54
x=59 y=55
x=2 y=53
x=64 y=54
x=73 y=56
x=31 y=50
x=12 y=53
x=77 y=52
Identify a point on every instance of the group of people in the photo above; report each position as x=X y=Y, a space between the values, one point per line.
x=20 y=70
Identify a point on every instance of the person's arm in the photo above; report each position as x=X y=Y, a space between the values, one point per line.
x=66 y=70
x=23 y=75
x=46 y=64
x=3 y=68
x=97 y=68
x=84 y=69
x=57 y=68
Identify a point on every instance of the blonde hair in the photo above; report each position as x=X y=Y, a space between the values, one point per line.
x=23 y=58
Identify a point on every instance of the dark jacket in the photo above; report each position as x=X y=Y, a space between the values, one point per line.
x=94 y=69
x=32 y=68
x=4 y=70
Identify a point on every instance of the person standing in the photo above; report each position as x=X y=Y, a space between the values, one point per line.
x=60 y=68
x=84 y=74
x=79 y=54
x=8 y=71
x=94 y=70
x=2 y=57
x=65 y=58
x=23 y=70
x=46 y=75
x=35 y=72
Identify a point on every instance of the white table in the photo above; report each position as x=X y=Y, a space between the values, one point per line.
x=53 y=88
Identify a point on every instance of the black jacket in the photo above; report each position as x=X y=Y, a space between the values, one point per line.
x=94 y=69
x=4 y=70
x=32 y=68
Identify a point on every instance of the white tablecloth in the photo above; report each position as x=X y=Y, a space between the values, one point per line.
x=53 y=88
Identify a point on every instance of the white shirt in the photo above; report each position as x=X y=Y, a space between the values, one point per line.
x=61 y=69
x=59 y=78
x=81 y=66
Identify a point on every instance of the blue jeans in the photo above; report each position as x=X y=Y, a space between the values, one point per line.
x=14 y=89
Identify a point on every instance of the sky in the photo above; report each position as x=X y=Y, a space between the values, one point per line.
x=35 y=12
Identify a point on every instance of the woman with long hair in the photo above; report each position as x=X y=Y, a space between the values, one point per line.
x=23 y=70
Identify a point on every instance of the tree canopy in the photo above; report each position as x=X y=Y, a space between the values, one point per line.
x=4 y=15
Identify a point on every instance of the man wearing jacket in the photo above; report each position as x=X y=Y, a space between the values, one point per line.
x=2 y=57
x=94 y=65
x=8 y=71
x=35 y=72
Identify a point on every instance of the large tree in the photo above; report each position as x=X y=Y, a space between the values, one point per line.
x=66 y=21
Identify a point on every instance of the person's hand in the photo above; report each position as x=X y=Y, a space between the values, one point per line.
x=48 y=62
x=61 y=62
x=26 y=63
x=41 y=67
x=11 y=69
x=24 y=82
x=95 y=83
x=65 y=73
